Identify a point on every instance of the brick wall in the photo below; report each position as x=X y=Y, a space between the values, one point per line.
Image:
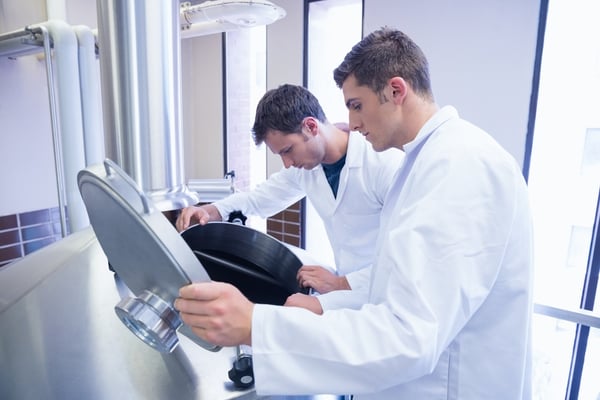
x=24 y=233
x=287 y=225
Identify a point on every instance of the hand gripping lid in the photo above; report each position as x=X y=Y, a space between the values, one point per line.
x=146 y=253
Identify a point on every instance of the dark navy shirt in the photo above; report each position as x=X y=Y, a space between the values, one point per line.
x=332 y=172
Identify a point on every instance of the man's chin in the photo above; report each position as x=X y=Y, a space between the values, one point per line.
x=378 y=148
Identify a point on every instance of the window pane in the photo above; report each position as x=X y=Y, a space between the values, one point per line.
x=564 y=180
x=552 y=346
x=565 y=174
x=334 y=27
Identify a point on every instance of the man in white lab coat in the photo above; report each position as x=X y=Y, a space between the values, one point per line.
x=449 y=307
x=339 y=172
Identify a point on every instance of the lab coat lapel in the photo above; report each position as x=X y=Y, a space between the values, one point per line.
x=352 y=161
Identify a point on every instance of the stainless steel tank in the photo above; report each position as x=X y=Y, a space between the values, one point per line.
x=67 y=311
x=60 y=337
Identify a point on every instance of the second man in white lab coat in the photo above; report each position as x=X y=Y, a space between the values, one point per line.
x=338 y=171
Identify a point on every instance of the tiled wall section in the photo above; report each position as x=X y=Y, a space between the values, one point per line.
x=286 y=225
x=21 y=234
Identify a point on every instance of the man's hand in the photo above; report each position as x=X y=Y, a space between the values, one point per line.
x=311 y=303
x=217 y=312
x=194 y=214
x=321 y=279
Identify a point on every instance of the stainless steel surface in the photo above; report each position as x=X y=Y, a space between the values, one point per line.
x=145 y=250
x=141 y=92
x=60 y=339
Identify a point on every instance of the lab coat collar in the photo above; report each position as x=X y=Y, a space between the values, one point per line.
x=354 y=158
x=444 y=114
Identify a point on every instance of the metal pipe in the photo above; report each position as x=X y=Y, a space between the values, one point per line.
x=56 y=141
x=19 y=43
x=91 y=100
x=69 y=117
x=141 y=93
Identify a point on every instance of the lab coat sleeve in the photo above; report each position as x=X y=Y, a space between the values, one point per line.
x=438 y=261
x=359 y=279
x=355 y=298
x=337 y=299
x=279 y=191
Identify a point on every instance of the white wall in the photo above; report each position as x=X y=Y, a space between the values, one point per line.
x=481 y=56
x=27 y=169
x=27 y=178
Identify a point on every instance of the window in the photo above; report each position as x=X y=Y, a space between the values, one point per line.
x=564 y=179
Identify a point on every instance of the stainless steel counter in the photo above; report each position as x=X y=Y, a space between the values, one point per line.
x=60 y=337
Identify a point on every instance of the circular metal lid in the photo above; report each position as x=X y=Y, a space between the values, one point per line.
x=142 y=247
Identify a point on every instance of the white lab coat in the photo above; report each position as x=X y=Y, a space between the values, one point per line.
x=351 y=219
x=449 y=308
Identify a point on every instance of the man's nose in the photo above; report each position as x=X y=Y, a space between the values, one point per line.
x=287 y=162
x=354 y=123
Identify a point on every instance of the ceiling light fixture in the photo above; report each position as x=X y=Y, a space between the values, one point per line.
x=225 y=15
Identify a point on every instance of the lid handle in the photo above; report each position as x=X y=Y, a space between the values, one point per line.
x=108 y=164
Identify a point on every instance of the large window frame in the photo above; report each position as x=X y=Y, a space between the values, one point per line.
x=585 y=319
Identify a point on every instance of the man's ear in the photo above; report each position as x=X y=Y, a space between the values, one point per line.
x=399 y=89
x=311 y=124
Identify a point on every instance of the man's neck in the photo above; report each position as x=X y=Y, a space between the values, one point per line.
x=336 y=143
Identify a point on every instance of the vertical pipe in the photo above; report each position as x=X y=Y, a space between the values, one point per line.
x=56 y=9
x=91 y=107
x=141 y=94
x=56 y=142
x=69 y=117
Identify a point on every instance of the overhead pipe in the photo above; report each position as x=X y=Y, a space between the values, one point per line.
x=141 y=96
x=20 y=43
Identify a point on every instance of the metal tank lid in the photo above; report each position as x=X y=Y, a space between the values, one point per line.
x=145 y=251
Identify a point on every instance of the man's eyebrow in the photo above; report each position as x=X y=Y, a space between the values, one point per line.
x=350 y=101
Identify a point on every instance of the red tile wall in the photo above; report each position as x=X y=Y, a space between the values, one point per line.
x=287 y=225
x=24 y=233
